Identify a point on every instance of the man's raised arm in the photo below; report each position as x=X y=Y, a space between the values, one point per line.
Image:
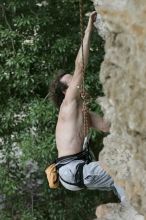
x=86 y=43
x=73 y=92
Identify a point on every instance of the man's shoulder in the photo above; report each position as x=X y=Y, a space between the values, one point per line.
x=68 y=107
x=68 y=103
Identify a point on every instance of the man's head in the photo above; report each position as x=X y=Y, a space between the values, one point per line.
x=59 y=87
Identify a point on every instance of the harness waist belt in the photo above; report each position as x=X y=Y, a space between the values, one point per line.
x=83 y=155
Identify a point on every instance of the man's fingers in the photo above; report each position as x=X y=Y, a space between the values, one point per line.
x=93 y=13
x=93 y=16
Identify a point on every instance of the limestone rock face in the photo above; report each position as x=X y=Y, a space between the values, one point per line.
x=123 y=75
x=117 y=212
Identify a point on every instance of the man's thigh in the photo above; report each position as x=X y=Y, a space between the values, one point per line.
x=67 y=173
x=95 y=177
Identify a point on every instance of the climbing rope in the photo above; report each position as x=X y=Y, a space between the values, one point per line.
x=83 y=93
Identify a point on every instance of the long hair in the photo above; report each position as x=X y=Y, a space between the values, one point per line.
x=57 y=89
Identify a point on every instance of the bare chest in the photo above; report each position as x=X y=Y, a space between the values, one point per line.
x=69 y=131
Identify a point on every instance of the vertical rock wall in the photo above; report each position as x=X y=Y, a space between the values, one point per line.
x=123 y=75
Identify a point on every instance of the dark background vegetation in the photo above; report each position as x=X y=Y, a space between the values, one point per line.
x=37 y=39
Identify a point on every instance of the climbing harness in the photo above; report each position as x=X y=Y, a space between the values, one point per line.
x=52 y=171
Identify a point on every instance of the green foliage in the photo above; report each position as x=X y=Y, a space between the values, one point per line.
x=37 y=39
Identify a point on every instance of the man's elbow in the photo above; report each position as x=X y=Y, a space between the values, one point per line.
x=105 y=127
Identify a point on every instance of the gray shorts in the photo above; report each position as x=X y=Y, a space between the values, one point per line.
x=94 y=177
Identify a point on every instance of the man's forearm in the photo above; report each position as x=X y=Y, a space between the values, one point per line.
x=99 y=122
x=86 y=46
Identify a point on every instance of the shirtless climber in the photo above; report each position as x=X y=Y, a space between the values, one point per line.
x=75 y=171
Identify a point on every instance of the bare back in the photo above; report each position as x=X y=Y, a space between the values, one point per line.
x=69 y=129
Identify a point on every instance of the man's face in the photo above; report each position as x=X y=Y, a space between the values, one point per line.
x=66 y=79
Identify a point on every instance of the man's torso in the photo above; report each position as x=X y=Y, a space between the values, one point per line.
x=69 y=129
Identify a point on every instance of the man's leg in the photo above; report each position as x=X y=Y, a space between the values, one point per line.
x=95 y=177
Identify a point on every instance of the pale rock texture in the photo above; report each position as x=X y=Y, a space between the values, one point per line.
x=117 y=212
x=123 y=76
